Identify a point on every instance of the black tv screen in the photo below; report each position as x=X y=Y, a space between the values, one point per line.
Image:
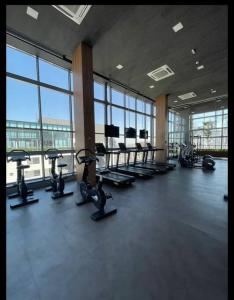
x=111 y=131
x=130 y=133
x=143 y=134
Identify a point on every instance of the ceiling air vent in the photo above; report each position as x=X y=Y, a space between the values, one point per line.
x=161 y=73
x=74 y=12
x=187 y=96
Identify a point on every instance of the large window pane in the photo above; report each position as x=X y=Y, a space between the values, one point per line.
x=99 y=91
x=140 y=123
x=53 y=75
x=118 y=118
x=22 y=102
x=20 y=63
x=26 y=139
x=67 y=159
x=148 y=108
x=140 y=105
x=130 y=102
x=130 y=119
x=99 y=110
x=117 y=97
x=34 y=172
x=56 y=139
x=55 y=109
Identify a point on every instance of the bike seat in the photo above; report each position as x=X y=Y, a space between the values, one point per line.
x=23 y=167
x=61 y=165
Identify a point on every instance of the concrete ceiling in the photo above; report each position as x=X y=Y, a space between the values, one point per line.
x=140 y=37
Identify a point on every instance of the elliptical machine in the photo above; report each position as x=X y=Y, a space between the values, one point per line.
x=93 y=194
x=56 y=181
x=188 y=159
x=22 y=190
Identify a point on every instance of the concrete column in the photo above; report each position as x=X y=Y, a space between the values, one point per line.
x=82 y=68
x=161 y=127
x=185 y=114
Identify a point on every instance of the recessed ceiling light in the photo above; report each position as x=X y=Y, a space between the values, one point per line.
x=151 y=86
x=213 y=91
x=178 y=27
x=200 y=67
x=193 y=51
x=175 y=100
x=119 y=67
x=32 y=12
x=197 y=62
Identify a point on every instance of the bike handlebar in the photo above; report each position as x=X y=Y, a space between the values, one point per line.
x=53 y=153
x=86 y=158
x=21 y=154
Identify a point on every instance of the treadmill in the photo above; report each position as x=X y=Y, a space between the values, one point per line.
x=129 y=169
x=107 y=174
x=170 y=166
x=144 y=164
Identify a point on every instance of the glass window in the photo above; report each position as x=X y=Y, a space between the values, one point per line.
x=67 y=159
x=148 y=108
x=53 y=75
x=118 y=118
x=130 y=102
x=225 y=121
x=21 y=95
x=27 y=139
x=140 y=105
x=99 y=91
x=99 y=110
x=140 y=123
x=57 y=139
x=55 y=108
x=117 y=97
x=20 y=63
x=100 y=138
x=130 y=119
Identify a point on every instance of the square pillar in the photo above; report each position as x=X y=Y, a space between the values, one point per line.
x=161 y=127
x=82 y=68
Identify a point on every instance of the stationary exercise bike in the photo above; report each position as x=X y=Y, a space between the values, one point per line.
x=22 y=190
x=93 y=194
x=56 y=181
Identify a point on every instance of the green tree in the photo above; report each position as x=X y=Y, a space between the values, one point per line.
x=207 y=129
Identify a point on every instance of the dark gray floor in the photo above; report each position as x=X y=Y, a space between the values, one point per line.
x=167 y=241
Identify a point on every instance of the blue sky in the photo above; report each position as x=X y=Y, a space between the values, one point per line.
x=22 y=98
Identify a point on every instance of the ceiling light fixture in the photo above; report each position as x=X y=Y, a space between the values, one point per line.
x=119 y=67
x=32 y=12
x=197 y=62
x=187 y=96
x=200 y=67
x=178 y=27
x=219 y=100
x=193 y=51
x=175 y=100
x=151 y=86
x=212 y=91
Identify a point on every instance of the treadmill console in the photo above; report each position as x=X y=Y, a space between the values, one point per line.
x=122 y=147
x=100 y=148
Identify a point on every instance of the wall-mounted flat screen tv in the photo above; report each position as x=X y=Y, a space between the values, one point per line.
x=111 y=131
x=130 y=133
x=143 y=134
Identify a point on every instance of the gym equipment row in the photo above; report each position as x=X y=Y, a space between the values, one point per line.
x=144 y=168
x=189 y=158
x=96 y=195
